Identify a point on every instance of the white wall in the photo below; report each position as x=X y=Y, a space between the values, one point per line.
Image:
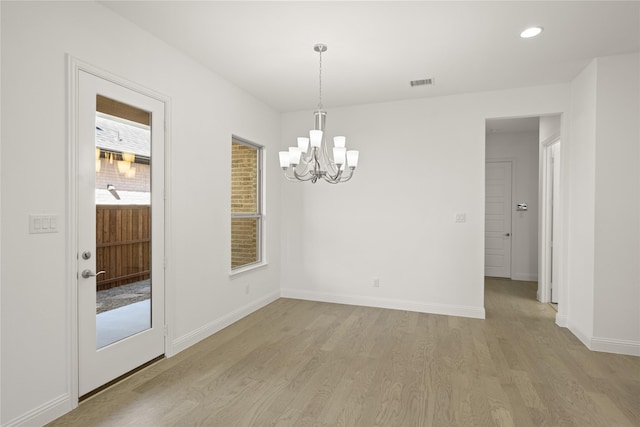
x=206 y=111
x=421 y=161
x=580 y=156
x=604 y=235
x=549 y=126
x=522 y=149
x=617 y=235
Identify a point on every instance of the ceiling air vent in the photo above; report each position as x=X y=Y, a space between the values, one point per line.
x=422 y=82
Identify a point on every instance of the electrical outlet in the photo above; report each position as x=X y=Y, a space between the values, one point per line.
x=460 y=217
x=376 y=282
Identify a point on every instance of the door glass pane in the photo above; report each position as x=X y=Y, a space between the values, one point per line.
x=123 y=221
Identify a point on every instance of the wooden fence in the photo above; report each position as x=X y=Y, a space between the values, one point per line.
x=123 y=244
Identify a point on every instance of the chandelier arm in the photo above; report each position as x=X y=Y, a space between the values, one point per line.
x=289 y=177
x=295 y=177
x=330 y=163
x=307 y=163
x=306 y=157
x=317 y=167
x=332 y=167
x=333 y=179
x=348 y=176
x=343 y=178
x=303 y=177
x=292 y=179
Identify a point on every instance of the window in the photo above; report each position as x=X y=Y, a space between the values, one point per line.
x=246 y=204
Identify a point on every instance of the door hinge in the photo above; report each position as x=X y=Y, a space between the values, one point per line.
x=166 y=262
x=166 y=330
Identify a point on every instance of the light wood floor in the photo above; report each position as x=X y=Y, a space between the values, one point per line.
x=299 y=363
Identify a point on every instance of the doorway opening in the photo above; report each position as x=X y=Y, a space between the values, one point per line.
x=525 y=229
x=511 y=198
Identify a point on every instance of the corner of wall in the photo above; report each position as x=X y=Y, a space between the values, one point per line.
x=389 y=303
x=562 y=320
x=604 y=345
x=575 y=330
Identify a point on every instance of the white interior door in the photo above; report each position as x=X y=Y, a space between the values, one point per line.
x=120 y=233
x=497 y=242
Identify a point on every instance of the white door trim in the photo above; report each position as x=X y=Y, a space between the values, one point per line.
x=544 y=285
x=74 y=67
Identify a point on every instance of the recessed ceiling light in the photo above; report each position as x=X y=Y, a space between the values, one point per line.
x=531 y=32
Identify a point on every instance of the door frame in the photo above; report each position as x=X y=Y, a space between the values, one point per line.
x=544 y=285
x=74 y=67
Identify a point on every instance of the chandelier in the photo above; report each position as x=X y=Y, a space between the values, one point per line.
x=310 y=160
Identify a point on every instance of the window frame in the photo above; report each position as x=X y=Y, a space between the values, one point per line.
x=259 y=215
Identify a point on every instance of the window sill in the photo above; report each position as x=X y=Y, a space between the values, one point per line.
x=250 y=267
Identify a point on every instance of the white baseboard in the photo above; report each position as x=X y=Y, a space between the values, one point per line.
x=45 y=413
x=525 y=277
x=432 y=308
x=584 y=338
x=609 y=345
x=211 y=328
x=561 y=320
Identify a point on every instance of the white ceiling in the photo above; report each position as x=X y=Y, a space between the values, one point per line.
x=375 y=48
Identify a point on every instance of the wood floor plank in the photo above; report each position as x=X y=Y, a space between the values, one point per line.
x=519 y=410
x=303 y=363
x=610 y=411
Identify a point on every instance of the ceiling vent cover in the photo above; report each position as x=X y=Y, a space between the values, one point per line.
x=423 y=82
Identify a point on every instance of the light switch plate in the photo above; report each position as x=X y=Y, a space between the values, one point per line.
x=39 y=224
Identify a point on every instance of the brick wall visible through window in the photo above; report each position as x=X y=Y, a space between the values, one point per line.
x=246 y=215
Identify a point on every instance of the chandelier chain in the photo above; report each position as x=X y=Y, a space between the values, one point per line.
x=320 y=85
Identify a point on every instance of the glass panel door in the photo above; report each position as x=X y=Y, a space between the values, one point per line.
x=120 y=229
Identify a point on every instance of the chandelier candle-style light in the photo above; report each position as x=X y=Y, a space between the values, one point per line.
x=310 y=160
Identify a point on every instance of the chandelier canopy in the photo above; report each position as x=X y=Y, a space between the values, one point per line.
x=310 y=160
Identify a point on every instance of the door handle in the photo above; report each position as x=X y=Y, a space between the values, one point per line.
x=506 y=235
x=88 y=273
